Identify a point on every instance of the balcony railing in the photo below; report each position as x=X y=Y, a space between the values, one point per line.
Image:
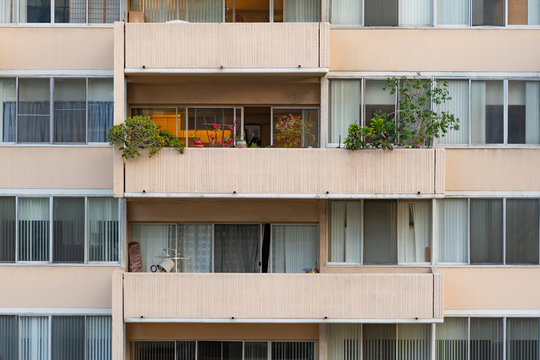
x=269 y=297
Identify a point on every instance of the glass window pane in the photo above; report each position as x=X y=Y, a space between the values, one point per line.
x=68 y=230
x=346 y=12
x=296 y=128
x=416 y=12
x=488 y=12
x=522 y=231
x=34 y=110
x=7 y=229
x=35 y=11
x=70 y=110
x=486 y=231
x=33 y=229
x=34 y=338
x=451 y=339
x=301 y=11
x=9 y=340
x=185 y=350
x=414 y=342
x=344 y=108
x=453 y=12
x=380 y=233
x=255 y=350
x=344 y=341
x=213 y=126
x=195 y=243
x=293 y=350
x=459 y=106
x=67 y=334
x=523 y=112
x=523 y=12
x=155 y=350
x=70 y=11
x=381 y=12
x=100 y=109
x=533 y=12
x=414 y=231
x=379 y=341
x=487 y=112
x=377 y=99
x=294 y=248
x=154 y=241
x=522 y=339
x=252 y=11
x=236 y=248
x=209 y=350
x=345 y=231
x=8 y=12
x=453 y=230
x=486 y=339
x=98 y=333
x=8 y=109
x=103 y=229
x=103 y=11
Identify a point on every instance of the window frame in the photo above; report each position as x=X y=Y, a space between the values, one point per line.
x=50 y=261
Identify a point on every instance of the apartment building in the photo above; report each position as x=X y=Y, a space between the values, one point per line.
x=312 y=252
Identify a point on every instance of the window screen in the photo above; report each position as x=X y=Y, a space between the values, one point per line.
x=381 y=12
x=522 y=231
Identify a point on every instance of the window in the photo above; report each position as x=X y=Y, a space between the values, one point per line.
x=476 y=226
x=55 y=337
x=305 y=121
x=522 y=339
x=381 y=12
x=64 y=11
x=486 y=339
x=453 y=12
x=459 y=106
x=229 y=248
x=61 y=219
x=487 y=112
x=488 y=12
x=452 y=339
x=56 y=110
x=526 y=12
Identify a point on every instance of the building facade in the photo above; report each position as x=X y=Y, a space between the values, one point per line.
x=309 y=252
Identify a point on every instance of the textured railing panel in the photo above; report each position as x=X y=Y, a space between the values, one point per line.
x=280 y=296
x=286 y=171
x=211 y=45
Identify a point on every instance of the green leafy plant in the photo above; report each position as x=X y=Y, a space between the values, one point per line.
x=416 y=122
x=140 y=132
x=290 y=130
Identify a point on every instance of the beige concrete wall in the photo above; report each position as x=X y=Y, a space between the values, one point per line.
x=240 y=90
x=56 y=48
x=217 y=297
x=492 y=169
x=434 y=50
x=222 y=210
x=56 y=286
x=287 y=171
x=40 y=167
x=497 y=288
x=154 y=331
x=211 y=45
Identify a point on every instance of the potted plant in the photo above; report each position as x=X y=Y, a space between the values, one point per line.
x=197 y=142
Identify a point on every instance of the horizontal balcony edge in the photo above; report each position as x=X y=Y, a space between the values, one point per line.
x=55 y=311
x=484 y=75
x=228 y=71
x=288 y=320
x=282 y=196
x=60 y=73
x=56 y=192
x=492 y=313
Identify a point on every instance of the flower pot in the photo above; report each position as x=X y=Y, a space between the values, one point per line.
x=197 y=143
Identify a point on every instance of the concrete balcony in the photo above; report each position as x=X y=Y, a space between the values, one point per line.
x=190 y=297
x=293 y=173
x=226 y=47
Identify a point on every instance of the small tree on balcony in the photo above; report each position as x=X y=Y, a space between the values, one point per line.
x=140 y=132
x=416 y=122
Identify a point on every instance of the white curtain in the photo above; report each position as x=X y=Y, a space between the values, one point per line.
x=205 y=10
x=346 y=12
x=153 y=239
x=7 y=11
x=344 y=341
x=486 y=339
x=414 y=342
x=452 y=215
x=33 y=229
x=452 y=343
x=98 y=338
x=459 y=106
x=34 y=338
x=345 y=96
x=522 y=339
x=533 y=12
x=414 y=231
x=236 y=248
x=532 y=112
x=103 y=229
x=294 y=248
x=346 y=231
x=453 y=12
x=415 y=12
x=22 y=11
x=478 y=112
x=195 y=243
x=301 y=10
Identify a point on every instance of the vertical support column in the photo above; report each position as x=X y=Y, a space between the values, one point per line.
x=325 y=13
x=118 y=330
x=323 y=341
x=323 y=236
x=119 y=104
x=323 y=141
